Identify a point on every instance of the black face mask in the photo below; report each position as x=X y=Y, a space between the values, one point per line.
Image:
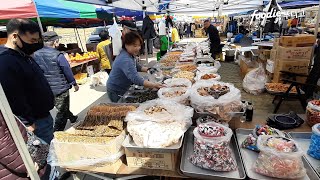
x=30 y=48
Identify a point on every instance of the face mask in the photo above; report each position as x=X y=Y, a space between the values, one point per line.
x=30 y=48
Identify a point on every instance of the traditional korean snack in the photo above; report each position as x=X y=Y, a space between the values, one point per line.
x=207 y=76
x=177 y=94
x=216 y=97
x=314 y=148
x=184 y=74
x=159 y=123
x=251 y=141
x=178 y=82
x=211 y=147
x=313 y=112
x=279 y=157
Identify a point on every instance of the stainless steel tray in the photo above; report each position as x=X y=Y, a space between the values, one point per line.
x=188 y=169
x=251 y=156
x=303 y=140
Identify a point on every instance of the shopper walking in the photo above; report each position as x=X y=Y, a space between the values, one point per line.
x=104 y=51
x=60 y=77
x=284 y=26
x=23 y=81
x=214 y=38
x=193 y=30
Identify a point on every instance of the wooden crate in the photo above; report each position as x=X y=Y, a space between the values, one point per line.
x=294 y=53
x=295 y=66
x=298 y=41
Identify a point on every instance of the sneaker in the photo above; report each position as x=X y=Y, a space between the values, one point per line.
x=73 y=119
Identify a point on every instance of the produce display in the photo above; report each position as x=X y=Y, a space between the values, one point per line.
x=177 y=94
x=215 y=90
x=313 y=112
x=81 y=78
x=174 y=93
x=184 y=74
x=209 y=76
x=158 y=123
x=141 y=96
x=84 y=57
x=169 y=60
x=314 y=148
x=279 y=157
x=211 y=147
x=279 y=88
x=251 y=141
x=188 y=67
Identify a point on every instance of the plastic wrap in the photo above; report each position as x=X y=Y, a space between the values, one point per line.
x=251 y=141
x=213 y=152
x=254 y=82
x=313 y=112
x=229 y=102
x=207 y=69
x=279 y=158
x=314 y=148
x=173 y=94
x=159 y=123
x=79 y=154
x=178 y=82
x=200 y=76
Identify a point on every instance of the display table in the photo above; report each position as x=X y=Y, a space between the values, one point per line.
x=74 y=64
x=263 y=44
x=234 y=124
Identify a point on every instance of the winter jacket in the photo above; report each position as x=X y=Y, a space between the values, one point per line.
x=148 y=31
x=25 y=85
x=47 y=59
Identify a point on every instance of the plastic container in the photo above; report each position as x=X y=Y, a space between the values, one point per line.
x=314 y=148
x=313 y=112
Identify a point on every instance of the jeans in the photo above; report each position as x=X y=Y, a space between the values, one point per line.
x=150 y=46
x=44 y=128
x=114 y=96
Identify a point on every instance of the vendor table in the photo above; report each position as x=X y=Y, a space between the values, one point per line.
x=234 y=124
x=264 y=44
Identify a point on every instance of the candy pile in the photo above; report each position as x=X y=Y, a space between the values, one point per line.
x=211 y=148
x=313 y=112
x=279 y=157
x=251 y=141
x=314 y=148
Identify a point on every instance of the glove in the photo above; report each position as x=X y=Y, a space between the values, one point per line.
x=152 y=70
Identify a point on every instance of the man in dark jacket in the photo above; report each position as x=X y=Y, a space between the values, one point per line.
x=57 y=70
x=148 y=33
x=213 y=37
x=23 y=81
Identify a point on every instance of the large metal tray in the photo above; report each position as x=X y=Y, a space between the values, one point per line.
x=129 y=95
x=303 y=139
x=188 y=169
x=251 y=156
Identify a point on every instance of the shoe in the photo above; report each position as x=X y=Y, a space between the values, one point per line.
x=73 y=119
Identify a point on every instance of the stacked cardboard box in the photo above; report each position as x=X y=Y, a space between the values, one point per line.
x=291 y=54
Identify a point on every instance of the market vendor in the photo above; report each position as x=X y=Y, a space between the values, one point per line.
x=214 y=38
x=125 y=69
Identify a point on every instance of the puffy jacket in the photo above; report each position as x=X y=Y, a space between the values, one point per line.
x=11 y=163
x=47 y=59
x=148 y=31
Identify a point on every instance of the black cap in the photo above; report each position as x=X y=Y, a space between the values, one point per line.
x=50 y=36
x=130 y=25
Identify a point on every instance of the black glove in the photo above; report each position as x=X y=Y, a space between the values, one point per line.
x=152 y=70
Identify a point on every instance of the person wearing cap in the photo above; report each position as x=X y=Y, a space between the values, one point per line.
x=57 y=70
x=104 y=50
x=128 y=26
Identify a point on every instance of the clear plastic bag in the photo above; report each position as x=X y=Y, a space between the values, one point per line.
x=229 y=102
x=76 y=155
x=254 y=82
x=207 y=69
x=178 y=82
x=162 y=128
x=200 y=74
x=279 y=164
x=213 y=153
x=183 y=98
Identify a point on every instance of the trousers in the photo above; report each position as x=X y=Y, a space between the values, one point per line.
x=62 y=103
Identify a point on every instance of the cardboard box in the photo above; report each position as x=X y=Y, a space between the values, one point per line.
x=298 y=41
x=303 y=53
x=102 y=167
x=277 y=76
x=270 y=66
x=295 y=66
x=276 y=43
x=246 y=67
x=273 y=54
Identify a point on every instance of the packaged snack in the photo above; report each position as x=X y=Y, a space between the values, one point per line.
x=279 y=157
x=313 y=112
x=211 y=147
x=314 y=148
x=251 y=141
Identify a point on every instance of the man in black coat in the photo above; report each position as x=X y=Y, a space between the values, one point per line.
x=148 y=33
x=213 y=37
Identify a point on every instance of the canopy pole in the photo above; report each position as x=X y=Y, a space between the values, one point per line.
x=146 y=41
x=317 y=23
x=38 y=17
x=79 y=39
